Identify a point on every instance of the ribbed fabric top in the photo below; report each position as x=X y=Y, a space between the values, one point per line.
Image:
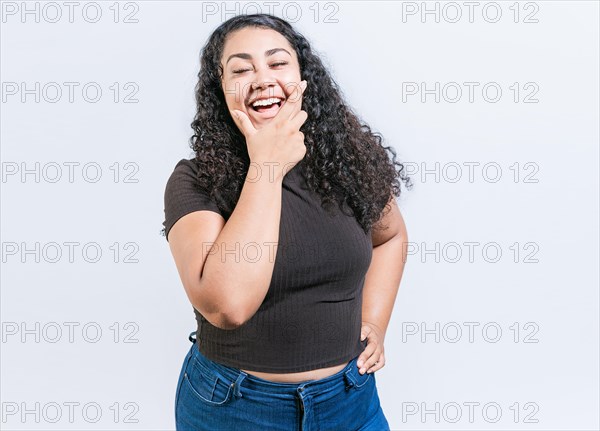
x=311 y=315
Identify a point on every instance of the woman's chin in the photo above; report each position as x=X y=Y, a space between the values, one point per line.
x=259 y=122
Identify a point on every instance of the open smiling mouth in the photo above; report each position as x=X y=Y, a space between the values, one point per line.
x=268 y=106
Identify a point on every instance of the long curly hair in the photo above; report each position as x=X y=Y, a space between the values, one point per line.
x=345 y=162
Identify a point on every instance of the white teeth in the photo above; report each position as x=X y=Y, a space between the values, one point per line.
x=265 y=102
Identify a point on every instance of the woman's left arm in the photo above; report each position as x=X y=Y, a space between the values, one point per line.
x=381 y=286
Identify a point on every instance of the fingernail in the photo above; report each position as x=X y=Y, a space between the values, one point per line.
x=362 y=370
x=359 y=363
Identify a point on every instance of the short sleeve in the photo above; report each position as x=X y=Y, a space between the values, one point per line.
x=183 y=196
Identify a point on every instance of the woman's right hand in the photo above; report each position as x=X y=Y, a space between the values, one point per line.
x=280 y=142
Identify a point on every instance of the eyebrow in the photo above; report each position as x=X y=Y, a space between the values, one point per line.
x=247 y=56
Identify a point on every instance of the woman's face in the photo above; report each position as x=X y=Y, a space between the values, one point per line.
x=258 y=63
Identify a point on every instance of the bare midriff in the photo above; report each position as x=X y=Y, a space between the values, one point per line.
x=302 y=376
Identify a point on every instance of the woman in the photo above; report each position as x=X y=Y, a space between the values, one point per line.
x=270 y=227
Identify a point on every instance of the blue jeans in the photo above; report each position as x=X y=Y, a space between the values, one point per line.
x=211 y=396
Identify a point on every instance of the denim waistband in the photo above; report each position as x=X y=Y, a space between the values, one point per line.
x=344 y=378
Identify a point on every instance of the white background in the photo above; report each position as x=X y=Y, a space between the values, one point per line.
x=549 y=288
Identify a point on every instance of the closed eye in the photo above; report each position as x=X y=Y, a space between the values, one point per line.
x=280 y=63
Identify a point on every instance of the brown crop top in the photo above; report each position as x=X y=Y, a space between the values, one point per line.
x=311 y=315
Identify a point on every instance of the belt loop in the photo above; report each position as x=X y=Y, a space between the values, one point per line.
x=236 y=385
x=348 y=380
x=192 y=339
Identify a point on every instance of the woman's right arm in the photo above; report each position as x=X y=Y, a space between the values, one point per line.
x=228 y=284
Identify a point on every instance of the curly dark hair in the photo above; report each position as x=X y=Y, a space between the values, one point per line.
x=345 y=162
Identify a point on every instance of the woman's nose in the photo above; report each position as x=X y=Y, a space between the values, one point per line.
x=262 y=84
x=263 y=79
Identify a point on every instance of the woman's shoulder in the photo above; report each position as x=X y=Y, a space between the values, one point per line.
x=187 y=165
x=186 y=170
x=184 y=176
